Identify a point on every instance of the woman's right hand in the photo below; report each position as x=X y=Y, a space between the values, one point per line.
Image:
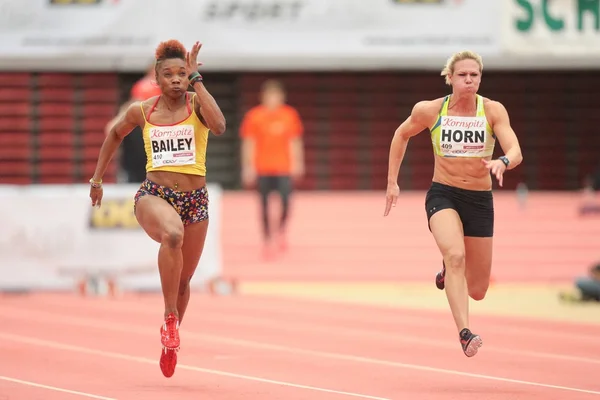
x=96 y=193
x=391 y=196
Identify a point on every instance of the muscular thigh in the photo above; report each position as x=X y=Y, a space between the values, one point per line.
x=446 y=228
x=193 y=245
x=156 y=216
x=478 y=260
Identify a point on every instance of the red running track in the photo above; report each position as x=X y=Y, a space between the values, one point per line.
x=65 y=347
x=338 y=236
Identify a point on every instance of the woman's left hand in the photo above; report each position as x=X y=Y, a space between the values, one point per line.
x=191 y=59
x=496 y=167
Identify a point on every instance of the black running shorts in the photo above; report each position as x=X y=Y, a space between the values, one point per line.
x=474 y=207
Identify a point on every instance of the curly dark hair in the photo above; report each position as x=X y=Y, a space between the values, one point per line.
x=170 y=49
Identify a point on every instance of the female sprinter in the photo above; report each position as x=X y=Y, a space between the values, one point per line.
x=172 y=202
x=459 y=204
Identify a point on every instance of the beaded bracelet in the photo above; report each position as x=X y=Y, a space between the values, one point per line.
x=195 y=77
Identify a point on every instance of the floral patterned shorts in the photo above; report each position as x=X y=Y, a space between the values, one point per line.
x=191 y=206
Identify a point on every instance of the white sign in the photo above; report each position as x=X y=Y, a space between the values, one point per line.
x=247 y=34
x=51 y=235
x=558 y=30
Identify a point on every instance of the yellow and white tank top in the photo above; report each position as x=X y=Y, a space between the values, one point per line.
x=179 y=147
x=469 y=137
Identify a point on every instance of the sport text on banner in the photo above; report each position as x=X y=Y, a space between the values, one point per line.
x=248 y=34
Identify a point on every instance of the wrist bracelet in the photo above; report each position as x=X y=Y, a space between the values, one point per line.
x=95 y=184
x=505 y=160
x=194 y=77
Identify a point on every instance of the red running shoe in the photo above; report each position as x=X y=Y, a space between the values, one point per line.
x=169 y=337
x=168 y=362
x=169 y=333
x=440 y=278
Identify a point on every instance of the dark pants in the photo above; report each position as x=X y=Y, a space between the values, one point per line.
x=133 y=157
x=282 y=184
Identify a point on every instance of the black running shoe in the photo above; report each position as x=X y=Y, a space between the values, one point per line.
x=470 y=342
x=440 y=277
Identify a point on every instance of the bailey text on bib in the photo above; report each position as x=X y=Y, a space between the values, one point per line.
x=173 y=145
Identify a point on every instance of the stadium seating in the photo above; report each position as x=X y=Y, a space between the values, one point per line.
x=52 y=125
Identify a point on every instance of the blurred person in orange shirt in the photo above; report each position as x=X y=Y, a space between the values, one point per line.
x=272 y=156
x=134 y=164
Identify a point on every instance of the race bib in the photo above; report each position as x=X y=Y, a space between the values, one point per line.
x=172 y=145
x=463 y=136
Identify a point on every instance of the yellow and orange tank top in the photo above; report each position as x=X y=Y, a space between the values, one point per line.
x=179 y=147
x=469 y=137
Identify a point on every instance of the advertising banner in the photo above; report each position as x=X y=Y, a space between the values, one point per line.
x=246 y=34
x=51 y=236
x=552 y=33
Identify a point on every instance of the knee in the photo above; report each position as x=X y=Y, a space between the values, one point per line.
x=455 y=259
x=478 y=293
x=173 y=237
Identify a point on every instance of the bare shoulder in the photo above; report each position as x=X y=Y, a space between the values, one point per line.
x=147 y=104
x=193 y=99
x=493 y=105
x=494 y=109
x=191 y=95
x=134 y=112
x=427 y=110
